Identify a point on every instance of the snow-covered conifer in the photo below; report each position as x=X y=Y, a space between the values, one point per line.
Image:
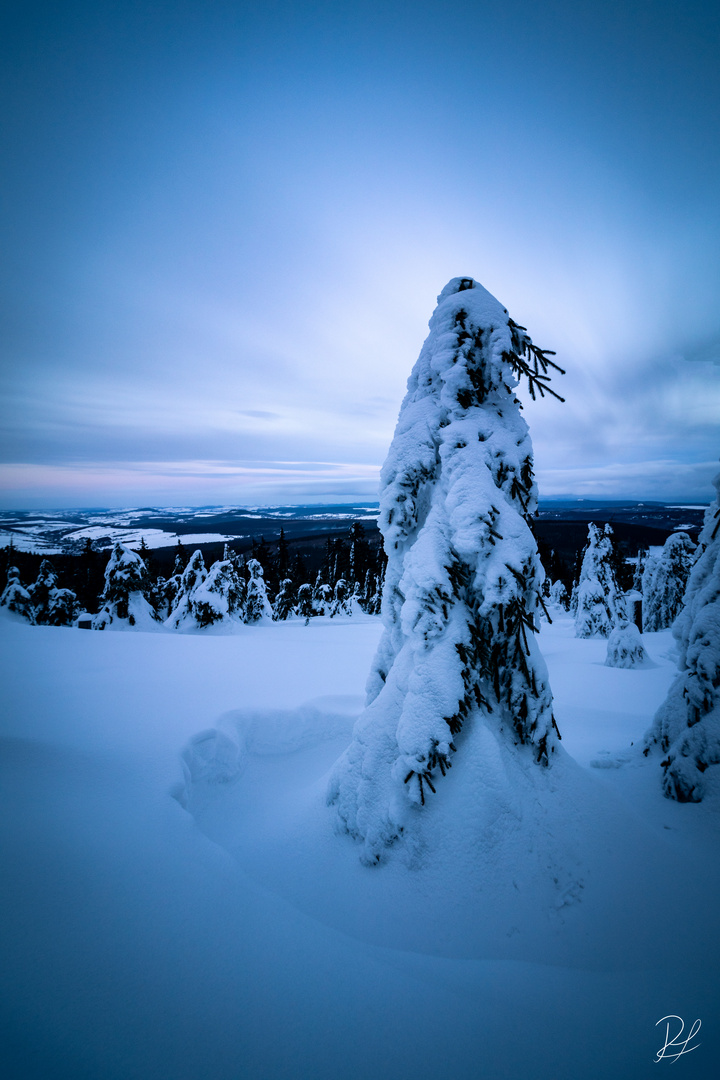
x=304 y=608
x=463 y=575
x=193 y=574
x=62 y=608
x=15 y=596
x=124 y=600
x=170 y=589
x=625 y=648
x=355 y=601
x=284 y=603
x=53 y=606
x=599 y=602
x=687 y=724
x=322 y=596
x=217 y=597
x=282 y=559
x=558 y=595
x=639 y=570
x=41 y=588
x=664 y=584
x=257 y=604
x=341 y=599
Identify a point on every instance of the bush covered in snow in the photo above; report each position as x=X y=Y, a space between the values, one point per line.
x=664 y=582
x=463 y=576
x=687 y=724
x=625 y=648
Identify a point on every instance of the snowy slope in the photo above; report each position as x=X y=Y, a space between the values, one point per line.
x=237 y=936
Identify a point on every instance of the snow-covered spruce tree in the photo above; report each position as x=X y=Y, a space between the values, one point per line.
x=322 y=596
x=217 y=597
x=341 y=599
x=15 y=596
x=63 y=608
x=687 y=724
x=664 y=587
x=257 y=604
x=53 y=606
x=284 y=603
x=193 y=574
x=559 y=596
x=640 y=563
x=124 y=601
x=599 y=600
x=41 y=588
x=463 y=574
x=304 y=608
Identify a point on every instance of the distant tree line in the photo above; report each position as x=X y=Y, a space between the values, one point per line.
x=269 y=581
x=266 y=583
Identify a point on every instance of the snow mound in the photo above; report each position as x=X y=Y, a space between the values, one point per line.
x=625 y=648
x=219 y=755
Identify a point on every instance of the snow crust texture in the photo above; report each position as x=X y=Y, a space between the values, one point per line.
x=463 y=576
x=687 y=724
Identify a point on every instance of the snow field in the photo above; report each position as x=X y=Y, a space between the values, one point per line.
x=239 y=936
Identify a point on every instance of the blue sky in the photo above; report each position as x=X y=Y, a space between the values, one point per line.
x=225 y=225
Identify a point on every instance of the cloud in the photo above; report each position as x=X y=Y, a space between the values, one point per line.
x=127 y=483
x=660 y=480
x=705 y=352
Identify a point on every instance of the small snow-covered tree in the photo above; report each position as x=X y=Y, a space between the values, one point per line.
x=284 y=603
x=124 y=600
x=322 y=596
x=599 y=602
x=53 y=606
x=257 y=604
x=15 y=596
x=217 y=597
x=664 y=583
x=558 y=595
x=341 y=599
x=463 y=574
x=687 y=724
x=193 y=574
x=169 y=590
x=41 y=588
x=640 y=562
x=625 y=648
x=62 y=608
x=304 y=608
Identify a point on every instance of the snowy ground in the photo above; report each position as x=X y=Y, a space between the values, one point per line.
x=197 y=917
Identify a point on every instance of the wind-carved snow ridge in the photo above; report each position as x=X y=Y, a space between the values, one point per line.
x=463 y=577
x=219 y=755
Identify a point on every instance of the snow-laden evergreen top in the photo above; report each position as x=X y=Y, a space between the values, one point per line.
x=463 y=576
x=445 y=382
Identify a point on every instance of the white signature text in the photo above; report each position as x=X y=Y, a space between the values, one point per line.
x=675 y=1046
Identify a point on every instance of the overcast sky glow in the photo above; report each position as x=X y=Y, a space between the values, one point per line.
x=225 y=226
